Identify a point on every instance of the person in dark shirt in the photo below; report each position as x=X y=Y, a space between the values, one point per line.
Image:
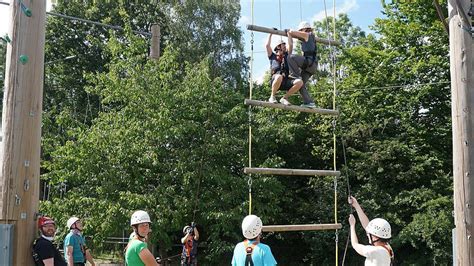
x=189 y=241
x=306 y=65
x=44 y=251
x=279 y=71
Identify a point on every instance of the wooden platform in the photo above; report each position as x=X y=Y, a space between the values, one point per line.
x=285 y=171
x=300 y=227
x=291 y=107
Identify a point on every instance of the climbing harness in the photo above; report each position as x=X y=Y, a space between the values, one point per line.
x=249 y=250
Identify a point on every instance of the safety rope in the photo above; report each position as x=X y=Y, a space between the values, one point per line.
x=334 y=37
x=301 y=12
x=279 y=7
x=333 y=65
x=348 y=193
x=249 y=181
x=198 y=191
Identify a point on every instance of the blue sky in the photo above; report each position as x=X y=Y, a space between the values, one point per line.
x=362 y=13
x=267 y=13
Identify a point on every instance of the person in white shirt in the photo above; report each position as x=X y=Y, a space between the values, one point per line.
x=379 y=252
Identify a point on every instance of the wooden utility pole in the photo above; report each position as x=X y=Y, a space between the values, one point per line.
x=21 y=126
x=462 y=94
x=155 y=42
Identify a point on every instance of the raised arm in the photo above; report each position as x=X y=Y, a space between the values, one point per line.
x=290 y=43
x=359 y=248
x=299 y=34
x=268 y=46
x=196 y=234
x=183 y=239
x=364 y=220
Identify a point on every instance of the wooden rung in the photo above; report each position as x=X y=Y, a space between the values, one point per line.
x=300 y=227
x=291 y=107
x=284 y=171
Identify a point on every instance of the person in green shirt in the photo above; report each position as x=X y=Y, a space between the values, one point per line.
x=137 y=252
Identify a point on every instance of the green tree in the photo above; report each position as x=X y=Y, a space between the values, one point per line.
x=158 y=146
x=398 y=137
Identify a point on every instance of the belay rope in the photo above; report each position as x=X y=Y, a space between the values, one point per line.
x=249 y=181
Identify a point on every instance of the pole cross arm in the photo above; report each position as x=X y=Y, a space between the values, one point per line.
x=283 y=33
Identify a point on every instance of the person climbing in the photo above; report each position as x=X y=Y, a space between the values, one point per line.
x=378 y=252
x=45 y=251
x=304 y=66
x=279 y=71
x=75 y=250
x=189 y=241
x=251 y=251
x=137 y=252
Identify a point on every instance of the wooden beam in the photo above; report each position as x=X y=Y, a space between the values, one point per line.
x=300 y=227
x=21 y=125
x=284 y=171
x=283 y=33
x=291 y=107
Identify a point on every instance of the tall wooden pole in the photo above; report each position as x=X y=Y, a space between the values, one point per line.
x=462 y=93
x=21 y=125
x=155 y=42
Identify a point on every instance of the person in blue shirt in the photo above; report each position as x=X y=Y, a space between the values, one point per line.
x=251 y=251
x=75 y=250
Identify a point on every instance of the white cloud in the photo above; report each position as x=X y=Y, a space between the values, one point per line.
x=347 y=6
x=243 y=21
x=259 y=79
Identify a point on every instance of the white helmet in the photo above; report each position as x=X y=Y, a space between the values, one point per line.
x=380 y=228
x=139 y=217
x=304 y=25
x=280 y=42
x=251 y=226
x=186 y=228
x=71 y=221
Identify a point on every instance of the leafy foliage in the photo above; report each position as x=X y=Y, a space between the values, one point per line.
x=170 y=137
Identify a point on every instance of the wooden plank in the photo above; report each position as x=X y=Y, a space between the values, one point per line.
x=283 y=33
x=291 y=107
x=285 y=171
x=300 y=227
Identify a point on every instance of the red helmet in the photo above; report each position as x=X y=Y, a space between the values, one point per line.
x=42 y=221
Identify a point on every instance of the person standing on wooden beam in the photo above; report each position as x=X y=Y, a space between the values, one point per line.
x=304 y=66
